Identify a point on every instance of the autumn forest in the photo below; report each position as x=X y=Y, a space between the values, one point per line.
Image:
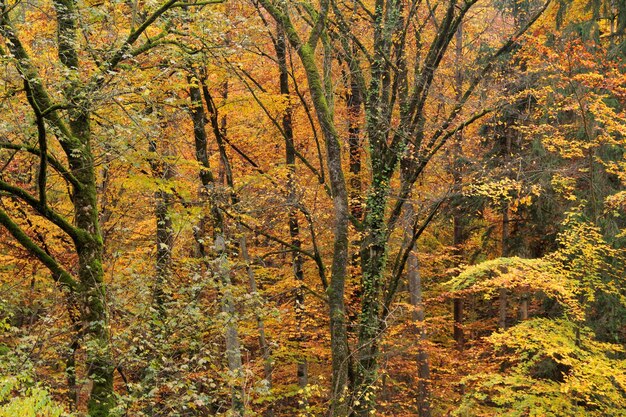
x=303 y=208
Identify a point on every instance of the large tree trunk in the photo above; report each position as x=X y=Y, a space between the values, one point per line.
x=91 y=275
x=340 y=403
x=373 y=262
x=354 y=104
x=89 y=246
x=74 y=133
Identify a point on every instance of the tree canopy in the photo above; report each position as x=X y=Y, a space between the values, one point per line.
x=313 y=208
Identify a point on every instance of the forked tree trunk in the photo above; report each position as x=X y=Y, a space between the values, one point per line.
x=73 y=130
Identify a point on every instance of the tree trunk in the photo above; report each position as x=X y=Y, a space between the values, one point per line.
x=91 y=275
x=458 y=220
x=89 y=246
x=417 y=315
x=215 y=219
x=502 y=292
x=231 y=333
x=340 y=403
x=504 y=244
x=265 y=348
x=162 y=170
x=373 y=261
x=292 y=202
x=354 y=102
x=524 y=307
x=72 y=128
x=227 y=171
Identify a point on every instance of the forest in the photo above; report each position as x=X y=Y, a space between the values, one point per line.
x=301 y=208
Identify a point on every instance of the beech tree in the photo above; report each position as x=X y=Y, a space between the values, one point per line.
x=66 y=118
x=395 y=80
x=335 y=208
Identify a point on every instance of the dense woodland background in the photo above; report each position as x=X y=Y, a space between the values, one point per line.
x=312 y=208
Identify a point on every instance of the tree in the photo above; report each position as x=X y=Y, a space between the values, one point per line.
x=395 y=98
x=68 y=118
x=374 y=160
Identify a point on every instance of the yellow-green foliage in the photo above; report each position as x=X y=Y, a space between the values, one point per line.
x=516 y=270
x=584 y=267
x=528 y=275
x=31 y=402
x=588 y=260
x=549 y=368
x=553 y=366
x=20 y=396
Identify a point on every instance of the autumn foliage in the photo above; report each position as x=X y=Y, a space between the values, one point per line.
x=325 y=208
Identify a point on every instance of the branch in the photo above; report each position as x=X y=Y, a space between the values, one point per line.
x=59 y=274
x=434 y=148
x=314 y=293
x=403 y=256
x=196 y=4
x=42 y=175
x=54 y=163
x=320 y=23
x=318 y=257
x=504 y=49
x=132 y=38
x=30 y=74
x=431 y=148
x=54 y=108
x=256 y=98
x=347 y=31
x=151 y=43
x=307 y=110
x=267 y=235
x=432 y=61
x=43 y=210
x=423 y=161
